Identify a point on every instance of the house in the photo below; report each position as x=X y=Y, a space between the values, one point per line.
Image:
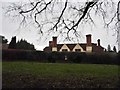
x=76 y=47
x=3 y=46
x=3 y=43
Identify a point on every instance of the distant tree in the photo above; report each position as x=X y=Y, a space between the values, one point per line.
x=3 y=40
x=12 y=44
x=109 y=48
x=105 y=50
x=23 y=44
x=114 y=49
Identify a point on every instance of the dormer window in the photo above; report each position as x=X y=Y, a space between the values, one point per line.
x=78 y=50
x=64 y=50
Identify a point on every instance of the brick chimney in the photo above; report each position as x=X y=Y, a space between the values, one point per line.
x=98 y=42
x=54 y=41
x=88 y=40
x=50 y=43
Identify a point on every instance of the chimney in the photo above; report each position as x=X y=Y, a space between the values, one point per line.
x=88 y=39
x=50 y=43
x=98 y=42
x=54 y=41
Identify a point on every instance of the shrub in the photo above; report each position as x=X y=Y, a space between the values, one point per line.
x=51 y=57
x=118 y=58
x=76 y=57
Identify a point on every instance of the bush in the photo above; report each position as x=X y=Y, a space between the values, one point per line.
x=23 y=55
x=52 y=57
x=76 y=57
x=118 y=58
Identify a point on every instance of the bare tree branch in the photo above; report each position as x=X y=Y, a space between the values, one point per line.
x=67 y=19
x=55 y=26
x=31 y=8
x=90 y=4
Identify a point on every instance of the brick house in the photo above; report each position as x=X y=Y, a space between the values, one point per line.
x=76 y=47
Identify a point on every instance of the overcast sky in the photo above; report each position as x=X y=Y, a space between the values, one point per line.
x=9 y=28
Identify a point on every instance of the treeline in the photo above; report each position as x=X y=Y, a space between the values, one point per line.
x=22 y=44
x=60 y=57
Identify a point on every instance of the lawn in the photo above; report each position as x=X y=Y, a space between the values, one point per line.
x=57 y=75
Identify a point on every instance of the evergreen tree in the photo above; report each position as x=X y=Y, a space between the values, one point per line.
x=105 y=50
x=3 y=40
x=23 y=44
x=12 y=44
x=109 y=48
x=114 y=49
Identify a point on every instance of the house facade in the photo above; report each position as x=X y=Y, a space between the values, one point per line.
x=3 y=43
x=76 y=47
x=3 y=46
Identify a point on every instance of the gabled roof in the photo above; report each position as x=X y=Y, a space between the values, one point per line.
x=71 y=46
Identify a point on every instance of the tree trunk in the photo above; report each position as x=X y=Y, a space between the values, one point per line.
x=118 y=26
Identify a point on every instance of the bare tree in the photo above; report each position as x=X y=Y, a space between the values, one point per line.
x=64 y=17
x=118 y=31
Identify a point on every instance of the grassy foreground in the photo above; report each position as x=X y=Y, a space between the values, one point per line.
x=55 y=75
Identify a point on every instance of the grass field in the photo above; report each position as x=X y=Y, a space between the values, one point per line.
x=56 y=75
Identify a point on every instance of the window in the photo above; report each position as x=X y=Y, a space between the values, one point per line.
x=77 y=50
x=64 y=50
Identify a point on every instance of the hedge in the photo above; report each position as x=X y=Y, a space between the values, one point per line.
x=61 y=57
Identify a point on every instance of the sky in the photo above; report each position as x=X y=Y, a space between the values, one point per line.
x=9 y=28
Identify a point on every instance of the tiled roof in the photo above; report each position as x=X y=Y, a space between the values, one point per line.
x=47 y=49
x=71 y=46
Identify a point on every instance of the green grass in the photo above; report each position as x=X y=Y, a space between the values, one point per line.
x=55 y=74
x=48 y=69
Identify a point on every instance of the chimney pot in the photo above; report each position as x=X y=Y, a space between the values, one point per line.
x=88 y=39
x=98 y=42
x=54 y=41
